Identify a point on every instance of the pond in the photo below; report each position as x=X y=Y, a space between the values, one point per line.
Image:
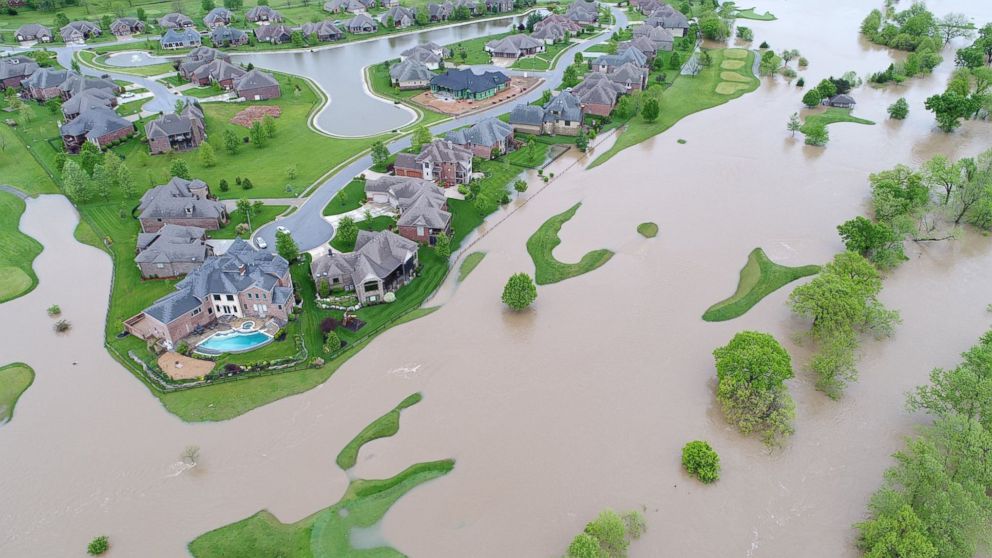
x=134 y=59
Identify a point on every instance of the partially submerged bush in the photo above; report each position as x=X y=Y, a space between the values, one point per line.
x=54 y=310
x=700 y=461
x=62 y=326
x=98 y=546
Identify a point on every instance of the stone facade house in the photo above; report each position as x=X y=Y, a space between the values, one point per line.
x=228 y=36
x=410 y=74
x=441 y=161
x=33 y=32
x=440 y=12
x=99 y=125
x=262 y=14
x=514 y=46
x=643 y=44
x=583 y=13
x=176 y=131
x=243 y=283
x=16 y=69
x=175 y=21
x=180 y=202
x=178 y=38
x=381 y=263
x=483 y=137
x=257 y=85
x=360 y=24
x=562 y=115
x=324 y=31
x=217 y=17
x=172 y=251
x=78 y=31
x=421 y=204
x=608 y=63
x=75 y=84
x=127 y=26
x=631 y=76
x=466 y=84
x=661 y=37
x=670 y=19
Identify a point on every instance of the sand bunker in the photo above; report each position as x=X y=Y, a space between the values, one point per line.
x=732 y=64
x=255 y=114
x=727 y=88
x=735 y=53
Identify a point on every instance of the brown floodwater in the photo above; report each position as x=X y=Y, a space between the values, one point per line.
x=552 y=414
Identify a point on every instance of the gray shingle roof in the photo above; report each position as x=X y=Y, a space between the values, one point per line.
x=223 y=34
x=33 y=30
x=559 y=20
x=175 y=20
x=563 y=106
x=261 y=13
x=361 y=22
x=48 y=77
x=273 y=32
x=617 y=60
x=528 y=115
x=467 y=80
x=443 y=151
x=488 y=132
x=181 y=37
x=173 y=243
x=514 y=44
x=598 y=89
x=176 y=199
x=255 y=79
x=376 y=255
x=322 y=28
x=217 y=15
x=421 y=54
x=420 y=202
x=88 y=99
x=17 y=66
x=410 y=70
x=218 y=70
x=95 y=122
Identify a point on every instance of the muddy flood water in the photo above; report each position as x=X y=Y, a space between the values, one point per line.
x=553 y=414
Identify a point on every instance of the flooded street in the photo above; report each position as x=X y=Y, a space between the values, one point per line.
x=579 y=404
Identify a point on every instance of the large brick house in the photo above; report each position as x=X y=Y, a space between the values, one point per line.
x=273 y=33
x=176 y=21
x=79 y=31
x=88 y=99
x=127 y=26
x=242 y=283
x=381 y=263
x=218 y=71
x=563 y=115
x=100 y=126
x=180 y=37
x=196 y=58
x=323 y=30
x=410 y=74
x=180 y=202
x=421 y=204
x=172 y=251
x=217 y=17
x=176 y=131
x=598 y=94
x=263 y=14
x=484 y=137
x=257 y=85
x=16 y=69
x=514 y=46
x=228 y=36
x=45 y=83
x=440 y=161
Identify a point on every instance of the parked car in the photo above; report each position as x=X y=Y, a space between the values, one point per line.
x=260 y=242
x=127 y=95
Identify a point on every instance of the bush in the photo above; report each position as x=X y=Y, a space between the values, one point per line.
x=333 y=342
x=801 y=82
x=62 y=326
x=899 y=109
x=182 y=348
x=520 y=291
x=54 y=310
x=700 y=461
x=232 y=368
x=328 y=325
x=98 y=546
x=764 y=44
x=389 y=297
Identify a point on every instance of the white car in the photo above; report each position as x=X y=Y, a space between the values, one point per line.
x=127 y=95
x=282 y=229
x=260 y=242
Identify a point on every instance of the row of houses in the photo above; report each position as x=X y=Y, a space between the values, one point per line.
x=663 y=15
x=205 y=66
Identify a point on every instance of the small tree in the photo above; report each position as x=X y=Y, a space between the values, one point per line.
x=180 y=169
x=817 y=134
x=899 y=109
x=794 y=124
x=421 y=136
x=520 y=186
x=442 y=245
x=651 y=110
x=231 y=142
x=675 y=62
x=286 y=246
x=269 y=124
x=224 y=186
x=75 y=183
x=54 y=310
x=812 y=98
x=519 y=292
x=582 y=141
x=323 y=288
x=98 y=546
x=700 y=461
x=347 y=230
x=332 y=342
x=380 y=155
x=257 y=134
x=207 y=156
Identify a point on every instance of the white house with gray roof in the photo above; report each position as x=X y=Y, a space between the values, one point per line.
x=382 y=262
x=243 y=283
x=180 y=202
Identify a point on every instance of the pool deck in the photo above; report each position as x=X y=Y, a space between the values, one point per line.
x=180 y=367
x=235 y=324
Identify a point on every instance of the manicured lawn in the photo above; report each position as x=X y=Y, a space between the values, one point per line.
x=529 y=156
x=92 y=59
x=17 y=251
x=469 y=264
x=15 y=379
x=601 y=47
x=749 y=13
x=383 y=427
x=378 y=80
x=686 y=96
x=542 y=61
x=377 y=224
x=464 y=219
x=259 y=217
x=474 y=49
x=648 y=230
x=350 y=198
x=832 y=115
x=16 y=168
x=325 y=534
x=759 y=278
x=203 y=92
x=134 y=107
x=541 y=246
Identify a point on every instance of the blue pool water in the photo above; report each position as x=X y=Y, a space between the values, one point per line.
x=233 y=342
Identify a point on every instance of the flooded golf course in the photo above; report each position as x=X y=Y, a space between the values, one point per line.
x=582 y=402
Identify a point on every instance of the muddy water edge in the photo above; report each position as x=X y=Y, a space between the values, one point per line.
x=553 y=414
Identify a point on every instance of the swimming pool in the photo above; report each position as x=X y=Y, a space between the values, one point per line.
x=233 y=342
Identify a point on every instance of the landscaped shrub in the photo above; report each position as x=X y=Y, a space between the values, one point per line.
x=232 y=368
x=899 y=109
x=182 y=348
x=98 y=546
x=333 y=342
x=328 y=325
x=700 y=461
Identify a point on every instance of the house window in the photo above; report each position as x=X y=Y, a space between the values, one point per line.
x=159 y=265
x=210 y=310
x=420 y=231
x=230 y=297
x=196 y=311
x=371 y=286
x=568 y=122
x=216 y=297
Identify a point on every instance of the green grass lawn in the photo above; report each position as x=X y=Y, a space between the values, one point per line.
x=530 y=156
x=832 y=115
x=261 y=216
x=464 y=219
x=383 y=427
x=759 y=278
x=541 y=247
x=686 y=96
x=15 y=159
x=350 y=198
x=17 y=251
x=749 y=13
x=474 y=49
x=15 y=379
x=648 y=230
x=469 y=264
x=134 y=107
x=92 y=59
x=377 y=224
x=378 y=80
x=544 y=60
x=601 y=47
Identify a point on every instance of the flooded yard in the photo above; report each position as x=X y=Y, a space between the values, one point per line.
x=553 y=414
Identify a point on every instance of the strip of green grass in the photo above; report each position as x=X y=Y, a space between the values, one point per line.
x=17 y=251
x=260 y=217
x=383 y=427
x=759 y=278
x=469 y=264
x=648 y=230
x=751 y=14
x=15 y=379
x=832 y=115
x=350 y=198
x=16 y=168
x=686 y=96
x=541 y=246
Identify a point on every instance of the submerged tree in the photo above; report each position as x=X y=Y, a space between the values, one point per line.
x=519 y=292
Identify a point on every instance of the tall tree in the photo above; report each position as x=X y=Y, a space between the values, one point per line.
x=286 y=246
x=75 y=182
x=207 y=156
